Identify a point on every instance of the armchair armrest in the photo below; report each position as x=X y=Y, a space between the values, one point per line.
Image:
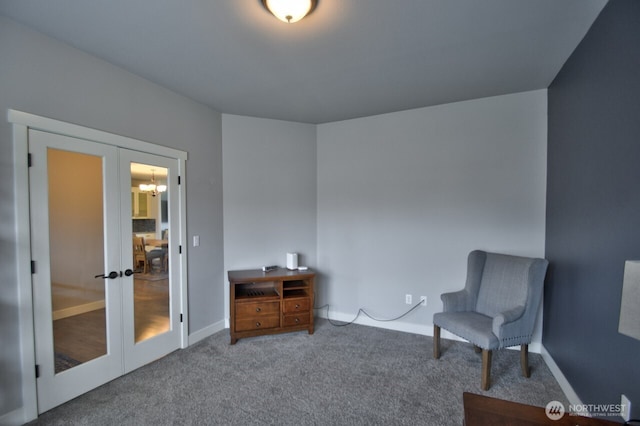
x=506 y=317
x=455 y=302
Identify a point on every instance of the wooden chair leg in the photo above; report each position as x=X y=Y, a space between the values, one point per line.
x=524 y=360
x=486 y=369
x=436 y=341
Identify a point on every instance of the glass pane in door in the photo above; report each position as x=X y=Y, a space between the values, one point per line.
x=76 y=239
x=150 y=239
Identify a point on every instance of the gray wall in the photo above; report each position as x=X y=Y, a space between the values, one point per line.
x=44 y=77
x=593 y=207
x=269 y=192
x=404 y=197
x=401 y=199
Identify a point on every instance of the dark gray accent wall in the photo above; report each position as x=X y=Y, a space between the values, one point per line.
x=593 y=207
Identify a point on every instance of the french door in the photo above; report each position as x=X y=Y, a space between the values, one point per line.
x=100 y=312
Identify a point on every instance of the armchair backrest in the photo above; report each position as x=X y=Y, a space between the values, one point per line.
x=505 y=282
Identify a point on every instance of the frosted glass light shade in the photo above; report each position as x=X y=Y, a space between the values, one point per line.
x=147 y=187
x=151 y=187
x=290 y=10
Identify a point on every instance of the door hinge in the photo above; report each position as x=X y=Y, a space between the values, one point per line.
x=29 y=162
x=180 y=317
x=37 y=371
x=180 y=249
x=178 y=180
x=33 y=266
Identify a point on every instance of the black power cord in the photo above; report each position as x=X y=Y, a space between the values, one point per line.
x=361 y=310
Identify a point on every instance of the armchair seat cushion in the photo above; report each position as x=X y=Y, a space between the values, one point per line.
x=472 y=326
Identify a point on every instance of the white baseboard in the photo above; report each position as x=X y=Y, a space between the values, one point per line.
x=571 y=395
x=364 y=320
x=14 y=418
x=203 y=333
x=78 y=309
x=423 y=329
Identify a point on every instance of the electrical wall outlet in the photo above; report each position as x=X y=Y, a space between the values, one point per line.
x=625 y=407
x=407 y=299
x=423 y=300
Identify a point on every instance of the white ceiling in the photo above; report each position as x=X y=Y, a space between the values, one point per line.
x=349 y=58
x=144 y=171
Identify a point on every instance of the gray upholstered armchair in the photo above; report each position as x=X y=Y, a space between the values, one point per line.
x=497 y=307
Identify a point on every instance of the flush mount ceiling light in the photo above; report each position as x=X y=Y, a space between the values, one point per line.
x=290 y=11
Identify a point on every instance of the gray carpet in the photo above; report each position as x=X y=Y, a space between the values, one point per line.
x=354 y=375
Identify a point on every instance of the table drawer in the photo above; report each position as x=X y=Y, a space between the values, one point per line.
x=257 y=322
x=244 y=310
x=296 y=305
x=294 y=319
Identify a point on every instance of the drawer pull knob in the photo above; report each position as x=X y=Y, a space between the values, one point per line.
x=258 y=309
x=297 y=320
x=297 y=306
x=258 y=324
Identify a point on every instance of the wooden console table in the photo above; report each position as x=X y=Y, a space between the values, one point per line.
x=480 y=410
x=278 y=301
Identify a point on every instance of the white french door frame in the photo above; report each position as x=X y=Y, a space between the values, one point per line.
x=22 y=122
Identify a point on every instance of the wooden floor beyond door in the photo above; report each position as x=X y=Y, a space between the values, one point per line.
x=81 y=338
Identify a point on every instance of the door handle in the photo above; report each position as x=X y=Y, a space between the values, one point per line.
x=111 y=275
x=129 y=272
